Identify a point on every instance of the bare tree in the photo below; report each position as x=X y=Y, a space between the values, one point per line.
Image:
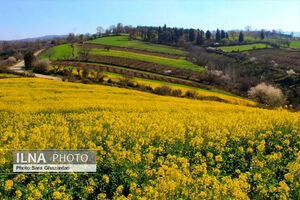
x=81 y=38
x=112 y=29
x=248 y=28
x=100 y=30
x=84 y=54
x=120 y=28
x=71 y=38
x=233 y=34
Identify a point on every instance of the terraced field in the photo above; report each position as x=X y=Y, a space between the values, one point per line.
x=123 y=41
x=121 y=60
x=243 y=47
x=63 y=51
x=181 y=62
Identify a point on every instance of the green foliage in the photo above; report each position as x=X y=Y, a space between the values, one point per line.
x=241 y=37
x=28 y=60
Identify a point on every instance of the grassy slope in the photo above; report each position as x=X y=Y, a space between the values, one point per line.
x=242 y=47
x=59 y=52
x=295 y=44
x=182 y=63
x=65 y=51
x=122 y=41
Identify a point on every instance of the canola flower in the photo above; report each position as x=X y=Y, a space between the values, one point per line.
x=148 y=146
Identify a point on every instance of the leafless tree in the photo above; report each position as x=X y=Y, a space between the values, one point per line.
x=84 y=54
x=248 y=28
x=100 y=30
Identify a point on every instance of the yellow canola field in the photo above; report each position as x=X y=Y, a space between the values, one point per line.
x=183 y=88
x=149 y=146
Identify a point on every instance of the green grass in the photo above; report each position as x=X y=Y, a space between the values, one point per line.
x=242 y=47
x=63 y=51
x=122 y=41
x=295 y=44
x=180 y=63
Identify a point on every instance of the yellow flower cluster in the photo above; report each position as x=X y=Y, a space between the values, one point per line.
x=148 y=146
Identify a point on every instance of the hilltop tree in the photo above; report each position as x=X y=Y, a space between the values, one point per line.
x=100 y=30
x=241 y=37
x=191 y=35
x=262 y=35
x=199 y=40
x=248 y=28
x=81 y=38
x=71 y=38
x=28 y=60
x=222 y=34
x=218 y=35
x=120 y=28
x=208 y=35
x=226 y=35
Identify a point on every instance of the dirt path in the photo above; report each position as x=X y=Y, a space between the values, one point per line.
x=18 y=68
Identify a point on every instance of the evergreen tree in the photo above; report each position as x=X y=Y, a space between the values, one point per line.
x=226 y=35
x=199 y=40
x=28 y=60
x=191 y=35
x=218 y=35
x=262 y=35
x=165 y=27
x=241 y=37
x=208 y=35
x=222 y=34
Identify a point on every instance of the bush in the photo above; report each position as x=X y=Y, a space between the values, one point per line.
x=163 y=90
x=191 y=94
x=29 y=60
x=176 y=93
x=144 y=87
x=41 y=66
x=267 y=94
x=126 y=80
x=85 y=73
x=11 y=60
x=109 y=81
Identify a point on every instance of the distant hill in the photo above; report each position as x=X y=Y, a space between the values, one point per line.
x=46 y=37
x=296 y=34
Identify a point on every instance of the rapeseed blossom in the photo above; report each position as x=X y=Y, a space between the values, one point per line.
x=148 y=146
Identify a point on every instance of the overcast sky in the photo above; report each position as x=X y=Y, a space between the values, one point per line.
x=31 y=18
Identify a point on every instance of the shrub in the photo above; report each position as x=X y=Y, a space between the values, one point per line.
x=191 y=94
x=144 y=87
x=41 y=66
x=267 y=94
x=85 y=73
x=126 y=80
x=109 y=81
x=176 y=93
x=163 y=90
x=11 y=60
x=29 y=60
